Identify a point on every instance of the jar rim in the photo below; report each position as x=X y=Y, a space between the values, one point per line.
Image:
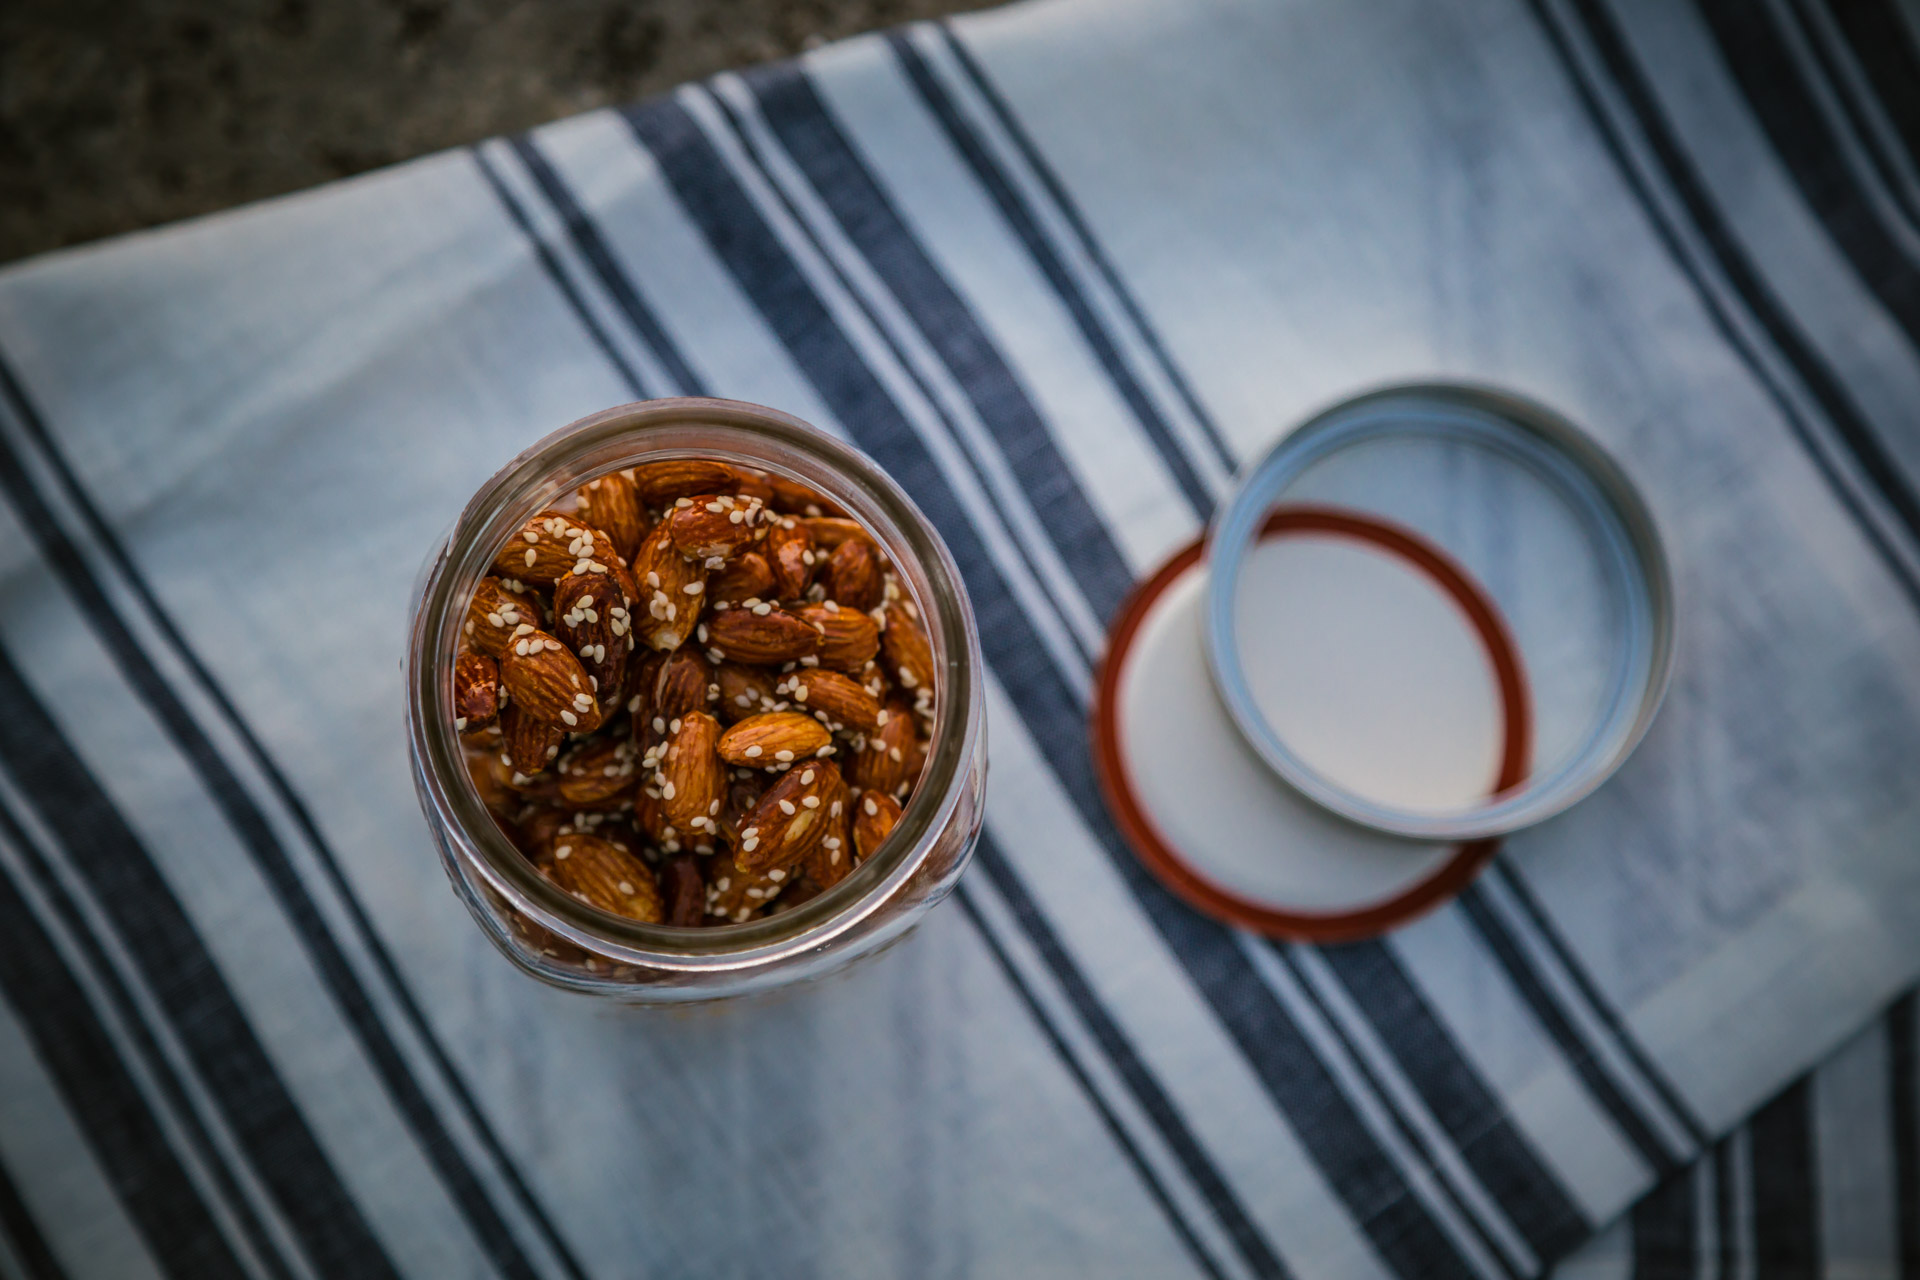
x=607 y=441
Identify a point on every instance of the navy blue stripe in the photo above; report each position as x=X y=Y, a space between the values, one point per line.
x=594 y=249
x=103 y=1099
x=1883 y=45
x=1846 y=90
x=885 y=334
x=1026 y=227
x=185 y=981
x=1459 y=1100
x=1666 y=1244
x=140 y=1040
x=1076 y=222
x=1126 y=1062
x=24 y=1241
x=1603 y=1009
x=551 y=263
x=1727 y=1257
x=1555 y=1021
x=251 y=826
x=1686 y=185
x=817 y=144
x=1786 y=1194
x=1358 y=1170
x=1396 y=1116
x=1903 y=1076
x=1155 y=1188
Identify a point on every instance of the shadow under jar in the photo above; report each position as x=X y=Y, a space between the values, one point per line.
x=559 y=938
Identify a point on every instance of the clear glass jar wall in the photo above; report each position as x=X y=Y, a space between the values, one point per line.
x=560 y=939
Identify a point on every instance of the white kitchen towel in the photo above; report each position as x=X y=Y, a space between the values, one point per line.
x=1061 y=268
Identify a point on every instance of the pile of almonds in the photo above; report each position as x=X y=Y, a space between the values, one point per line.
x=693 y=693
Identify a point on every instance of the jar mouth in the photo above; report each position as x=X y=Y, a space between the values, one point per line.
x=748 y=435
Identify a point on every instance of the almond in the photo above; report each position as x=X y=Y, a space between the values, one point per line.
x=744 y=790
x=679 y=687
x=612 y=505
x=891 y=758
x=836 y=700
x=691 y=777
x=549 y=545
x=789 y=552
x=663 y=482
x=685 y=891
x=671 y=589
x=529 y=743
x=744 y=691
x=735 y=895
x=599 y=773
x=874 y=816
x=592 y=615
x=832 y=859
x=848 y=638
x=712 y=526
x=909 y=655
x=746 y=577
x=476 y=691
x=761 y=634
x=753 y=484
x=545 y=680
x=791 y=819
x=831 y=532
x=854 y=575
x=495 y=612
x=598 y=874
x=650 y=815
x=776 y=738
x=799 y=499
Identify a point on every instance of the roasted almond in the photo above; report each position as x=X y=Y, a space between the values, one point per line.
x=650 y=815
x=663 y=482
x=598 y=874
x=685 y=891
x=874 y=816
x=600 y=772
x=890 y=760
x=746 y=577
x=691 y=777
x=830 y=532
x=612 y=505
x=671 y=590
x=798 y=499
x=776 y=738
x=848 y=638
x=529 y=743
x=592 y=615
x=753 y=484
x=712 y=526
x=854 y=578
x=680 y=686
x=545 y=680
x=744 y=691
x=789 y=552
x=496 y=612
x=832 y=859
x=734 y=895
x=909 y=656
x=744 y=790
x=549 y=545
x=791 y=819
x=762 y=634
x=476 y=691
x=835 y=699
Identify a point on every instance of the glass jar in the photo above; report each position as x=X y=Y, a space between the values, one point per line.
x=560 y=939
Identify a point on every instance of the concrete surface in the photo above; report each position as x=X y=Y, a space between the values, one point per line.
x=121 y=115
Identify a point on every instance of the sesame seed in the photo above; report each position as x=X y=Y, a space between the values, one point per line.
x=832 y=842
x=459 y=724
x=752 y=752
x=533 y=556
x=776 y=876
x=570 y=718
x=694 y=588
x=806 y=777
x=783 y=754
x=496 y=620
x=811 y=802
x=756 y=893
x=626 y=887
x=873 y=810
x=786 y=807
x=531 y=536
x=564 y=851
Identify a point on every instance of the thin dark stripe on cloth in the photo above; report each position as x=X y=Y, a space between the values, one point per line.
x=1666 y=1238
x=1883 y=45
x=1076 y=221
x=593 y=248
x=1903 y=1077
x=185 y=981
x=1481 y=1128
x=810 y=135
x=556 y=273
x=1783 y=1172
x=137 y=1039
x=1843 y=419
x=255 y=832
x=1117 y=1131
x=1198 y=494
x=1365 y=1178
x=24 y=1240
x=1856 y=99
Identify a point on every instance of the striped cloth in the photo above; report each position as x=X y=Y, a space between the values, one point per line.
x=1061 y=268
